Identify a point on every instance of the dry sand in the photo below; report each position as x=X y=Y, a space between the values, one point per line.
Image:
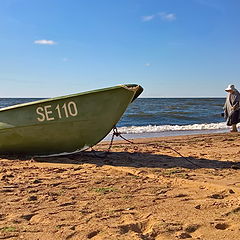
x=139 y=191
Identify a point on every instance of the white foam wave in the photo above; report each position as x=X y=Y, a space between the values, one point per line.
x=167 y=128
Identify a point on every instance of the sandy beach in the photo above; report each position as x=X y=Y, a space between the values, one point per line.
x=139 y=191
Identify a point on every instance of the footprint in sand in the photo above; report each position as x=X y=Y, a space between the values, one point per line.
x=233 y=211
x=221 y=226
x=191 y=228
x=2 y=217
x=28 y=216
x=93 y=234
x=183 y=235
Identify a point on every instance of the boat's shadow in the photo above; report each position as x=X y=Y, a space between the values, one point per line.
x=139 y=160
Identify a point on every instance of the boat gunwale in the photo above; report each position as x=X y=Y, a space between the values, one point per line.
x=128 y=87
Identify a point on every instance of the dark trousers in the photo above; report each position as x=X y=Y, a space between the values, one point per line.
x=233 y=118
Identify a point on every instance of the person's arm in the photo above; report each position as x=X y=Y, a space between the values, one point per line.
x=235 y=105
x=225 y=110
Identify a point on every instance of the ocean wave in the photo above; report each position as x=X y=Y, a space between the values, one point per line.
x=142 y=115
x=167 y=128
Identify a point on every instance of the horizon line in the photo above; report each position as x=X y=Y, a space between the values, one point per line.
x=138 y=97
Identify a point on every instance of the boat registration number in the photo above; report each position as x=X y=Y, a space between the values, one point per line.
x=49 y=113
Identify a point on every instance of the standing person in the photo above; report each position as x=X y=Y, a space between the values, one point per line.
x=232 y=107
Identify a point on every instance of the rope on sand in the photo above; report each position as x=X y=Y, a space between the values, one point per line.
x=118 y=134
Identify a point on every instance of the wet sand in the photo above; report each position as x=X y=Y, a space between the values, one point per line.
x=139 y=191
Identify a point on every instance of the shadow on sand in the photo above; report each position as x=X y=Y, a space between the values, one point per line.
x=138 y=160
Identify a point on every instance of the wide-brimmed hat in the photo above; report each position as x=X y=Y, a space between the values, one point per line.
x=230 y=87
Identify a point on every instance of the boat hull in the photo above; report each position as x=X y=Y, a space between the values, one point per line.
x=64 y=124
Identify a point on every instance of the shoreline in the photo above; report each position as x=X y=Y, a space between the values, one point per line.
x=167 y=134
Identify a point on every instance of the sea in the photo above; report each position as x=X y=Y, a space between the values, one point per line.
x=156 y=117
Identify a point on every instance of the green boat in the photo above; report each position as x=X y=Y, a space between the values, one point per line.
x=64 y=124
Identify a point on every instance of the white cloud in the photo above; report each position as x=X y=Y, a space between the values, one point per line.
x=45 y=42
x=163 y=15
x=167 y=16
x=148 y=18
x=147 y=64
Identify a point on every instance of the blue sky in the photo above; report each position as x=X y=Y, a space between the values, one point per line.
x=171 y=47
